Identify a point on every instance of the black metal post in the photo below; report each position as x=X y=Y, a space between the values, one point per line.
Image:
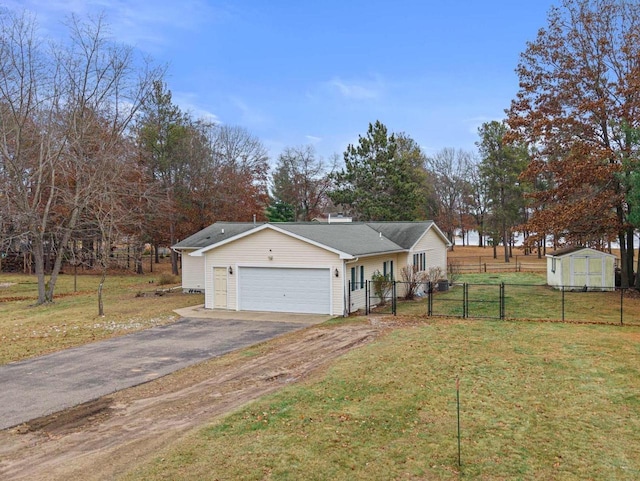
x=562 y=288
x=502 y=301
x=430 y=298
x=465 y=300
x=394 y=305
x=367 y=301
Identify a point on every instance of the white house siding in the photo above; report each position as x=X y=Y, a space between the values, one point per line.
x=269 y=248
x=434 y=247
x=192 y=272
x=371 y=265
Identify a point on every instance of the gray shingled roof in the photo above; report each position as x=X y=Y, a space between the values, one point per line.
x=215 y=233
x=353 y=238
x=405 y=234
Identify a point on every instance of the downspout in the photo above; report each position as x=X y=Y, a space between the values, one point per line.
x=345 y=287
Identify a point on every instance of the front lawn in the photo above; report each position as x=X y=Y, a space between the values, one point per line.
x=538 y=401
x=130 y=305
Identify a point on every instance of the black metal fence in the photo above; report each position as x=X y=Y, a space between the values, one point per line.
x=536 y=302
x=503 y=301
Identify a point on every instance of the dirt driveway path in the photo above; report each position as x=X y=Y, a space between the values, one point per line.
x=48 y=384
x=104 y=438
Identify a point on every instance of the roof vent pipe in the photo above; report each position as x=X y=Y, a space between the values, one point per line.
x=223 y=230
x=380 y=235
x=254 y=219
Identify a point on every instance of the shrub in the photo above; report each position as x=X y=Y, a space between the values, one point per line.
x=412 y=279
x=166 y=279
x=381 y=286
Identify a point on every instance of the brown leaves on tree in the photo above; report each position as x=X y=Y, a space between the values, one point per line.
x=578 y=97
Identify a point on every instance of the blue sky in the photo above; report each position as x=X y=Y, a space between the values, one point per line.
x=302 y=72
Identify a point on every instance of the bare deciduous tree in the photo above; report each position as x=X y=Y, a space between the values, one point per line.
x=301 y=180
x=63 y=107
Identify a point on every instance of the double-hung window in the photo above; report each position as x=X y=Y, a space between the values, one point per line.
x=357 y=278
x=420 y=261
x=387 y=269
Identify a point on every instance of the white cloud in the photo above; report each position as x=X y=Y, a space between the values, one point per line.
x=188 y=102
x=137 y=22
x=357 y=90
x=474 y=123
x=249 y=115
x=313 y=139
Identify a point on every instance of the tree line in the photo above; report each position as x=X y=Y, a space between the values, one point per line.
x=95 y=153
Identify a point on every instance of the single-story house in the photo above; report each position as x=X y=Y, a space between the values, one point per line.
x=303 y=267
x=575 y=268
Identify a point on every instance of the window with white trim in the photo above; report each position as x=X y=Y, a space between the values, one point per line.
x=420 y=261
x=387 y=269
x=357 y=278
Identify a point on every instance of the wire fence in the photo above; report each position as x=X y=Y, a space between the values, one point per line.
x=489 y=264
x=502 y=301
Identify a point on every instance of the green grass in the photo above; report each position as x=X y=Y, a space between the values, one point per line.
x=527 y=297
x=538 y=401
x=27 y=330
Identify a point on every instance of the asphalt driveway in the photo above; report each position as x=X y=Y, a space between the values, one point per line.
x=47 y=384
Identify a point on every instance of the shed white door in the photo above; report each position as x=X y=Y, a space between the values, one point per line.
x=284 y=290
x=588 y=271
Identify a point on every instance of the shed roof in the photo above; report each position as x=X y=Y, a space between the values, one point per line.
x=565 y=251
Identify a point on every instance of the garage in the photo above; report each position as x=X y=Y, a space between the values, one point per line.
x=284 y=289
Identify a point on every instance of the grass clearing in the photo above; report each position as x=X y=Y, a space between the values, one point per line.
x=539 y=401
x=130 y=305
x=528 y=297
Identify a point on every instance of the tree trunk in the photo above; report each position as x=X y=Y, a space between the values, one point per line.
x=174 y=255
x=100 y=286
x=138 y=259
x=505 y=242
x=38 y=258
x=624 y=272
x=57 y=265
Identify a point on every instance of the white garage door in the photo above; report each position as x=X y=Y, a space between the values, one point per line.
x=285 y=290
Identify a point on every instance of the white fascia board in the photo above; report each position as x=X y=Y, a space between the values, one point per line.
x=384 y=253
x=202 y=251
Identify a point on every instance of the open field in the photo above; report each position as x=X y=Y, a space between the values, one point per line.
x=473 y=259
x=130 y=304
